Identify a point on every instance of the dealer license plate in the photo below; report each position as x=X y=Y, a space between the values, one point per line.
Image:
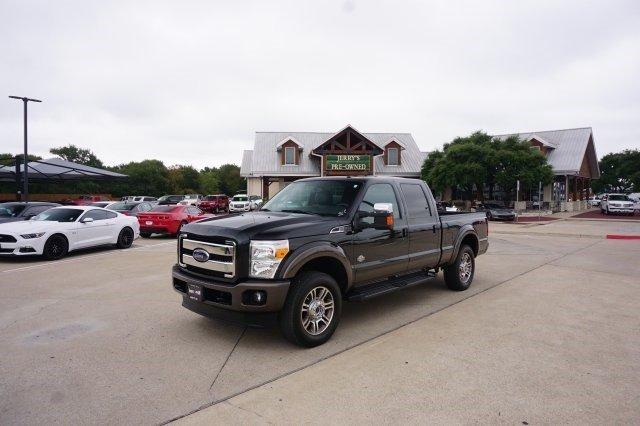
x=194 y=292
x=149 y=222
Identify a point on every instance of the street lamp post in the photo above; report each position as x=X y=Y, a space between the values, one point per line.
x=25 y=180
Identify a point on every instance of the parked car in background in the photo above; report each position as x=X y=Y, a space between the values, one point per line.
x=594 y=201
x=131 y=209
x=103 y=204
x=239 y=203
x=59 y=230
x=85 y=200
x=256 y=202
x=138 y=198
x=214 y=203
x=170 y=199
x=191 y=200
x=444 y=206
x=167 y=219
x=617 y=203
x=18 y=210
x=495 y=211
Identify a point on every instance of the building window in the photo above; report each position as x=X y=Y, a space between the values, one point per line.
x=392 y=157
x=289 y=155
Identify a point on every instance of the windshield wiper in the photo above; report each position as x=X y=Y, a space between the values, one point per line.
x=298 y=211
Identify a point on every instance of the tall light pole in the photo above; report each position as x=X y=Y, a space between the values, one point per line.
x=25 y=180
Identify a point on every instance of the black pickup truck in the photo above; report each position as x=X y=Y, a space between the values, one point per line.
x=318 y=242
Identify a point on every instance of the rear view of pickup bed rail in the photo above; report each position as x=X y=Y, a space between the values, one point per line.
x=318 y=242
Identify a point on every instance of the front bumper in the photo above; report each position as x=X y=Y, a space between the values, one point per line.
x=613 y=209
x=240 y=209
x=221 y=296
x=23 y=247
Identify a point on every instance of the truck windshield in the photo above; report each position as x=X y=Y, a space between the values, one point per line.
x=322 y=197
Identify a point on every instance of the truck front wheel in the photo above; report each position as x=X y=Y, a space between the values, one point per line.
x=459 y=275
x=312 y=310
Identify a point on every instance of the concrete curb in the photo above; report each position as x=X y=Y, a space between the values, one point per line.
x=579 y=219
x=622 y=237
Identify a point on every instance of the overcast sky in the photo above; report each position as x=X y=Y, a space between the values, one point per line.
x=190 y=82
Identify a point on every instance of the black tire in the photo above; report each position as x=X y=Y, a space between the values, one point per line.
x=145 y=234
x=291 y=318
x=56 y=247
x=125 y=238
x=455 y=277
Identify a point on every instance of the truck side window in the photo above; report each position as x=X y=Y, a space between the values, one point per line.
x=417 y=203
x=379 y=193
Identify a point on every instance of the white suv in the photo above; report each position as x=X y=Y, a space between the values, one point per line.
x=191 y=200
x=617 y=203
x=240 y=203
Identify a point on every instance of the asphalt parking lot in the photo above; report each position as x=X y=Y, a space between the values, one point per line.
x=100 y=337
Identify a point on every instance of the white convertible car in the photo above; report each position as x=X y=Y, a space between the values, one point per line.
x=59 y=230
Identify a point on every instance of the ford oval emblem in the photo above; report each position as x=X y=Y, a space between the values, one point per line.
x=200 y=255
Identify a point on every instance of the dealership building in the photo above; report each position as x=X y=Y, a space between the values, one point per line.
x=572 y=155
x=279 y=158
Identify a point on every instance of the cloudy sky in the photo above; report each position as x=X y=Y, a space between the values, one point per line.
x=189 y=82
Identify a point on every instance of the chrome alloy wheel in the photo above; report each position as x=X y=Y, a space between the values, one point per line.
x=466 y=267
x=317 y=310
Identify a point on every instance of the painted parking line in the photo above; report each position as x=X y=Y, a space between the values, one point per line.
x=88 y=256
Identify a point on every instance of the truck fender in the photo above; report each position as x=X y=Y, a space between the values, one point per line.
x=311 y=251
x=465 y=231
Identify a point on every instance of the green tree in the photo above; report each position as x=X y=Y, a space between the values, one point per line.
x=619 y=172
x=183 y=179
x=77 y=155
x=230 y=180
x=7 y=159
x=209 y=181
x=148 y=177
x=473 y=162
x=515 y=160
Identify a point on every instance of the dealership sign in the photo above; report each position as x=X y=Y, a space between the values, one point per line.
x=347 y=163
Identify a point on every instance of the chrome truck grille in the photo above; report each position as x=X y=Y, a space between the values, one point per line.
x=207 y=258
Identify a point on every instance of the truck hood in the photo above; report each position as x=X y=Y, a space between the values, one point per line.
x=262 y=226
x=27 y=226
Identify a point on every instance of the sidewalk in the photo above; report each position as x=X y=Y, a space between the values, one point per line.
x=559 y=344
x=569 y=228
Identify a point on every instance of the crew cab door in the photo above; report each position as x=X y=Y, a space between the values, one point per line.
x=424 y=228
x=380 y=253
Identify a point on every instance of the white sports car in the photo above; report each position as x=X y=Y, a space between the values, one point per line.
x=59 y=230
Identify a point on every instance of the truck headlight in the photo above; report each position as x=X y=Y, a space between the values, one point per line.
x=30 y=236
x=265 y=257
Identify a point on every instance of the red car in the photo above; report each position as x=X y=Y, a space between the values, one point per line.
x=214 y=203
x=85 y=200
x=167 y=219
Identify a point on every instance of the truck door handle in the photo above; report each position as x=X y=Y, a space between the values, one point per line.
x=434 y=229
x=404 y=232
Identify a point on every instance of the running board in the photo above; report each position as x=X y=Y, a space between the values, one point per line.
x=390 y=285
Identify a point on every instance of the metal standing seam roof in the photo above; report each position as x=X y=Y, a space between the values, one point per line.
x=59 y=169
x=264 y=159
x=571 y=145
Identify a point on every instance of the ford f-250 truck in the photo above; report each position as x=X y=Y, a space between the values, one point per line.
x=320 y=241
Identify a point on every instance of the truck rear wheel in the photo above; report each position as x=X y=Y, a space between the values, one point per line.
x=312 y=310
x=459 y=275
